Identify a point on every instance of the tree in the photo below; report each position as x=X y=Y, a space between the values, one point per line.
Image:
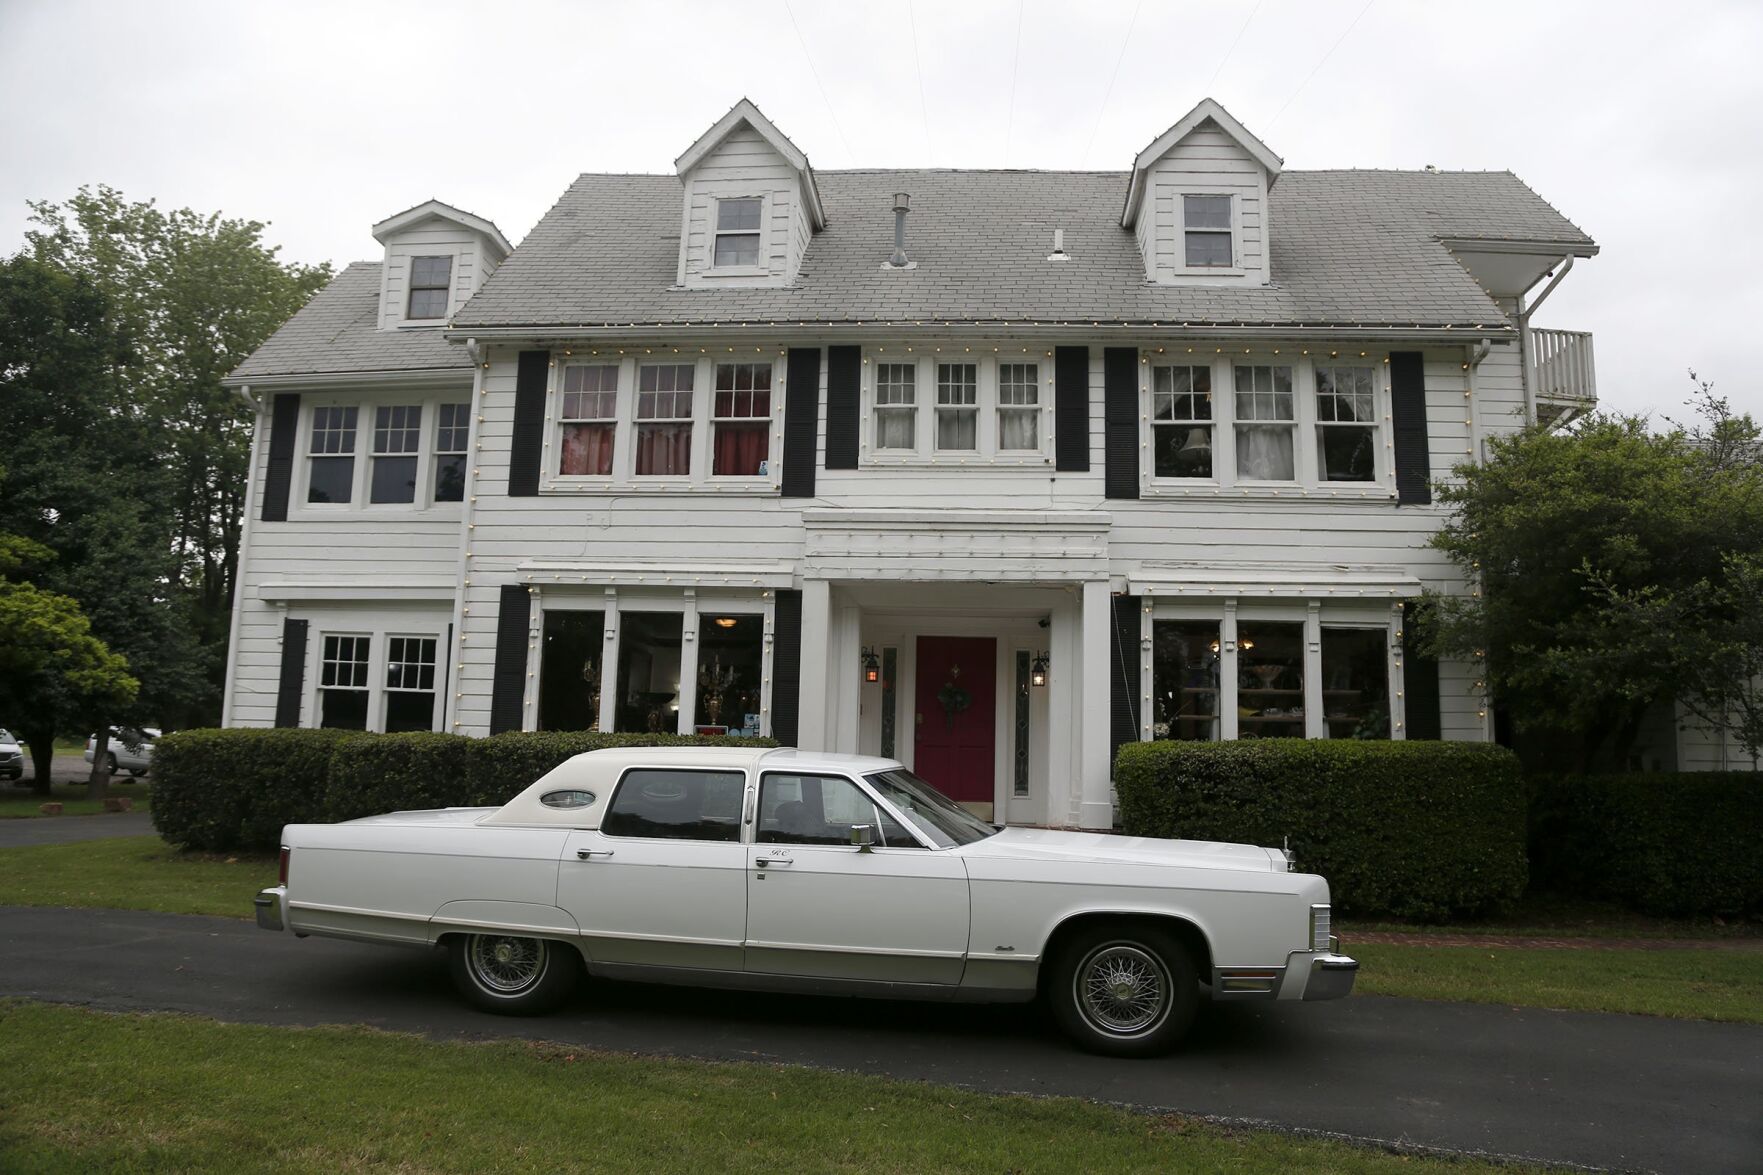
x=1615 y=568
x=195 y=294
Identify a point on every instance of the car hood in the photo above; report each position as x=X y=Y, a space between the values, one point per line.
x=1045 y=844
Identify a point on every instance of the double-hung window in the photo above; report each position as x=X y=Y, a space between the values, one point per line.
x=589 y=415
x=896 y=406
x=330 y=462
x=397 y=438
x=957 y=407
x=742 y=422
x=1266 y=423
x=664 y=420
x=1019 y=407
x=343 y=691
x=1346 y=423
x=410 y=683
x=737 y=232
x=431 y=279
x=1181 y=421
x=1206 y=232
x=452 y=434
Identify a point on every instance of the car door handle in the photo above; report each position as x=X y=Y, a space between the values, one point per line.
x=589 y=854
x=762 y=862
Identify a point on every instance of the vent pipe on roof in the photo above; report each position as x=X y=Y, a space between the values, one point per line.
x=1059 y=253
x=902 y=205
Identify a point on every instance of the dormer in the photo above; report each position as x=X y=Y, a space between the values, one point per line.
x=436 y=257
x=750 y=205
x=1198 y=202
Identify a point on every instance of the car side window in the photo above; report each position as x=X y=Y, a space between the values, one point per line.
x=820 y=810
x=676 y=805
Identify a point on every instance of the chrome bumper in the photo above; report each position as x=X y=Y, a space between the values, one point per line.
x=1331 y=977
x=269 y=908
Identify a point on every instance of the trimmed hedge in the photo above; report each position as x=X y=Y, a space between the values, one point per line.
x=228 y=790
x=1415 y=829
x=1673 y=844
x=222 y=790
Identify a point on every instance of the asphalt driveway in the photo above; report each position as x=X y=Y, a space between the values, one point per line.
x=1627 y=1092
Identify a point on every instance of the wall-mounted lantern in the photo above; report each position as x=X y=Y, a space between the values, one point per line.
x=871 y=667
x=1037 y=672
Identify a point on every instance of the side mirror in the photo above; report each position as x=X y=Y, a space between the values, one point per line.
x=863 y=837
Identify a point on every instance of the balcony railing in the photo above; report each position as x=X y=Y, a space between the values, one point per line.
x=1562 y=374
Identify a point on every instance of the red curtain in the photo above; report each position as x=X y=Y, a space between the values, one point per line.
x=587 y=450
x=664 y=450
x=741 y=448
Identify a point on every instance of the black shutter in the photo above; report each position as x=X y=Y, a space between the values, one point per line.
x=527 y=443
x=1123 y=697
x=801 y=421
x=844 y=405
x=1120 y=421
x=284 y=423
x=1420 y=680
x=508 y=685
x=786 y=666
x=1071 y=409
x=293 y=679
x=1408 y=412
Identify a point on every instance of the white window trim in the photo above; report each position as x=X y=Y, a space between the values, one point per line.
x=1179 y=255
x=358 y=508
x=924 y=451
x=623 y=478
x=1306 y=457
x=452 y=260
x=711 y=232
x=696 y=609
x=1314 y=615
x=379 y=638
x=456 y=296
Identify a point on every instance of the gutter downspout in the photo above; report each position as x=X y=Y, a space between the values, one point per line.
x=1524 y=355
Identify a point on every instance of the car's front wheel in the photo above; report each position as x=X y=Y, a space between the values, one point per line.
x=1124 y=991
x=509 y=975
x=110 y=763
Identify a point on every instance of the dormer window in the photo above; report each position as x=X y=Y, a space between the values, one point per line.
x=431 y=283
x=1206 y=227
x=737 y=232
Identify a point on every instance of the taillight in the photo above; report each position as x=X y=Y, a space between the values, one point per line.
x=283 y=876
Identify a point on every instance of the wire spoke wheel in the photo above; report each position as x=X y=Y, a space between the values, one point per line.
x=506 y=965
x=1122 y=989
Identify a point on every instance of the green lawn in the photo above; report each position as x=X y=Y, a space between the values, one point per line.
x=133 y=873
x=20 y=802
x=1556 y=916
x=87 y=1091
x=1688 y=984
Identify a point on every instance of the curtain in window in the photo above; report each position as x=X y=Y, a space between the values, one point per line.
x=1265 y=454
x=893 y=430
x=1016 y=430
x=587 y=450
x=664 y=450
x=741 y=449
x=958 y=430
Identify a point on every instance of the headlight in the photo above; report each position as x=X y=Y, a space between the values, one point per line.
x=1319 y=928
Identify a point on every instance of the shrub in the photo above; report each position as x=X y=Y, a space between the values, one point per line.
x=1674 y=844
x=396 y=772
x=1413 y=829
x=227 y=790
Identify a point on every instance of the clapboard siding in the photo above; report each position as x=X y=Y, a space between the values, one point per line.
x=744 y=164
x=431 y=238
x=1206 y=161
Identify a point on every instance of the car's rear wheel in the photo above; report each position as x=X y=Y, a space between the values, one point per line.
x=1125 y=990
x=110 y=762
x=510 y=975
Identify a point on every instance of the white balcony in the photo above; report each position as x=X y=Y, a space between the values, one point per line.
x=1563 y=377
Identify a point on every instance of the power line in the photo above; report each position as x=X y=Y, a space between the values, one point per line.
x=850 y=155
x=1015 y=64
x=1323 y=62
x=1106 y=94
x=923 y=108
x=1232 y=49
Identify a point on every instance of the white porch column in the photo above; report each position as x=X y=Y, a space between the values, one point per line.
x=845 y=665
x=1064 y=711
x=811 y=728
x=1095 y=810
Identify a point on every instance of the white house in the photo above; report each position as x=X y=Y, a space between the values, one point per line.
x=1096 y=456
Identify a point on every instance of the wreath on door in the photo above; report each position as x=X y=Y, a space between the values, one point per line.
x=952 y=698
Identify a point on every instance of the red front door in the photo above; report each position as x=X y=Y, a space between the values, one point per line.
x=956 y=715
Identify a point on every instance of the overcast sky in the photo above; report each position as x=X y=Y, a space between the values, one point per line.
x=1640 y=121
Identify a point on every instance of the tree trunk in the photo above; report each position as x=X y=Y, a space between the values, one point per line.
x=99 y=779
x=42 y=763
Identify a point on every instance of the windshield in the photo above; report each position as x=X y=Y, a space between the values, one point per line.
x=939 y=819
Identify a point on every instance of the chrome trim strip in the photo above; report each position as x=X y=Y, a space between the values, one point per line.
x=1221 y=974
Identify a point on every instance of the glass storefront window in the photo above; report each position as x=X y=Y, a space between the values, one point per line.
x=649 y=671
x=1270 y=679
x=1356 y=682
x=569 y=670
x=731 y=663
x=1184 y=676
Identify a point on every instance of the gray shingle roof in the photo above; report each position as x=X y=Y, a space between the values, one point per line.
x=337 y=332
x=1349 y=247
